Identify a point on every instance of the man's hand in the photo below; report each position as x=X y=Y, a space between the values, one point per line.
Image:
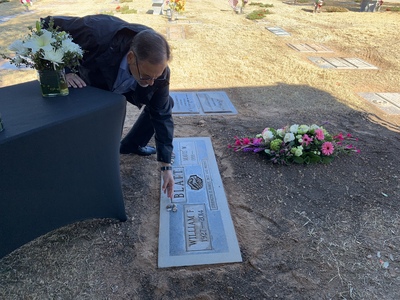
x=74 y=80
x=168 y=183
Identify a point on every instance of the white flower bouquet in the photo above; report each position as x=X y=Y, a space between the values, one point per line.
x=45 y=49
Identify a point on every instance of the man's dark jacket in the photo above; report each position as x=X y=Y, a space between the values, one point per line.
x=105 y=40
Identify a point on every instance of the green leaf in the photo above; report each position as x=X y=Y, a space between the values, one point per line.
x=314 y=159
x=298 y=160
x=38 y=26
x=327 y=159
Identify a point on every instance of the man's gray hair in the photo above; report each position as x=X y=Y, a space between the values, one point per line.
x=149 y=45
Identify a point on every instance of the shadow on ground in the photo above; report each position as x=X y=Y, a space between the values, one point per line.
x=300 y=227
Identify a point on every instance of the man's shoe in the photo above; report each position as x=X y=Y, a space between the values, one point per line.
x=144 y=151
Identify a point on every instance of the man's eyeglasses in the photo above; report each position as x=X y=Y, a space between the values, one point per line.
x=147 y=78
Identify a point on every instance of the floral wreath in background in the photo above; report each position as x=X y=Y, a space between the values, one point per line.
x=302 y=144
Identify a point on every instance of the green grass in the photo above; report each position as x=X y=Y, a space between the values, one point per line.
x=129 y=11
x=258 y=14
x=261 y=4
x=126 y=10
x=392 y=8
x=335 y=9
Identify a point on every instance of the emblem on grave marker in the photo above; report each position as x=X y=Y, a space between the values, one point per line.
x=195 y=182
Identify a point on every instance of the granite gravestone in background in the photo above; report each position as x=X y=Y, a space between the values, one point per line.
x=387 y=102
x=278 y=31
x=202 y=103
x=341 y=63
x=158 y=7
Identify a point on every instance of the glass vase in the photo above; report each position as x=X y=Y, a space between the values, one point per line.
x=53 y=83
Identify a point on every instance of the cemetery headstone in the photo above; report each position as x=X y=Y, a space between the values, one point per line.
x=195 y=225
x=202 y=103
x=158 y=7
x=175 y=32
x=387 y=102
x=278 y=31
x=341 y=63
x=310 y=48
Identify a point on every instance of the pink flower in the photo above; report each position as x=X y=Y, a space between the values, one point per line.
x=339 y=137
x=257 y=141
x=327 y=148
x=319 y=134
x=307 y=140
x=246 y=141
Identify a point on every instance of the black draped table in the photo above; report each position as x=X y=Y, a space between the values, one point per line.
x=59 y=160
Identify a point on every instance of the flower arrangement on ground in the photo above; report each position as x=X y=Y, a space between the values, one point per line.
x=176 y=5
x=45 y=49
x=302 y=144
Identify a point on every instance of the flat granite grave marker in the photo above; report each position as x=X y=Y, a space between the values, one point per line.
x=202 y=103
x=322 y=63
x=195 y=225
x=6 y=65
x=359 y=63
x=278 y=31
x=387 y=102
x=341 y=63
x=391 y=97
x=310 y=48
x=175 y=33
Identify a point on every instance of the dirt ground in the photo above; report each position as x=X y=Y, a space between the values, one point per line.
x=305 y=232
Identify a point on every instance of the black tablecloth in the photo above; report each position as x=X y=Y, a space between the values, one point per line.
x=59 y=160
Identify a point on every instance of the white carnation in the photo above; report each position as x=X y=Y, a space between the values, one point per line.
x=288 y=137
x=294 y=128
x=267 y=135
